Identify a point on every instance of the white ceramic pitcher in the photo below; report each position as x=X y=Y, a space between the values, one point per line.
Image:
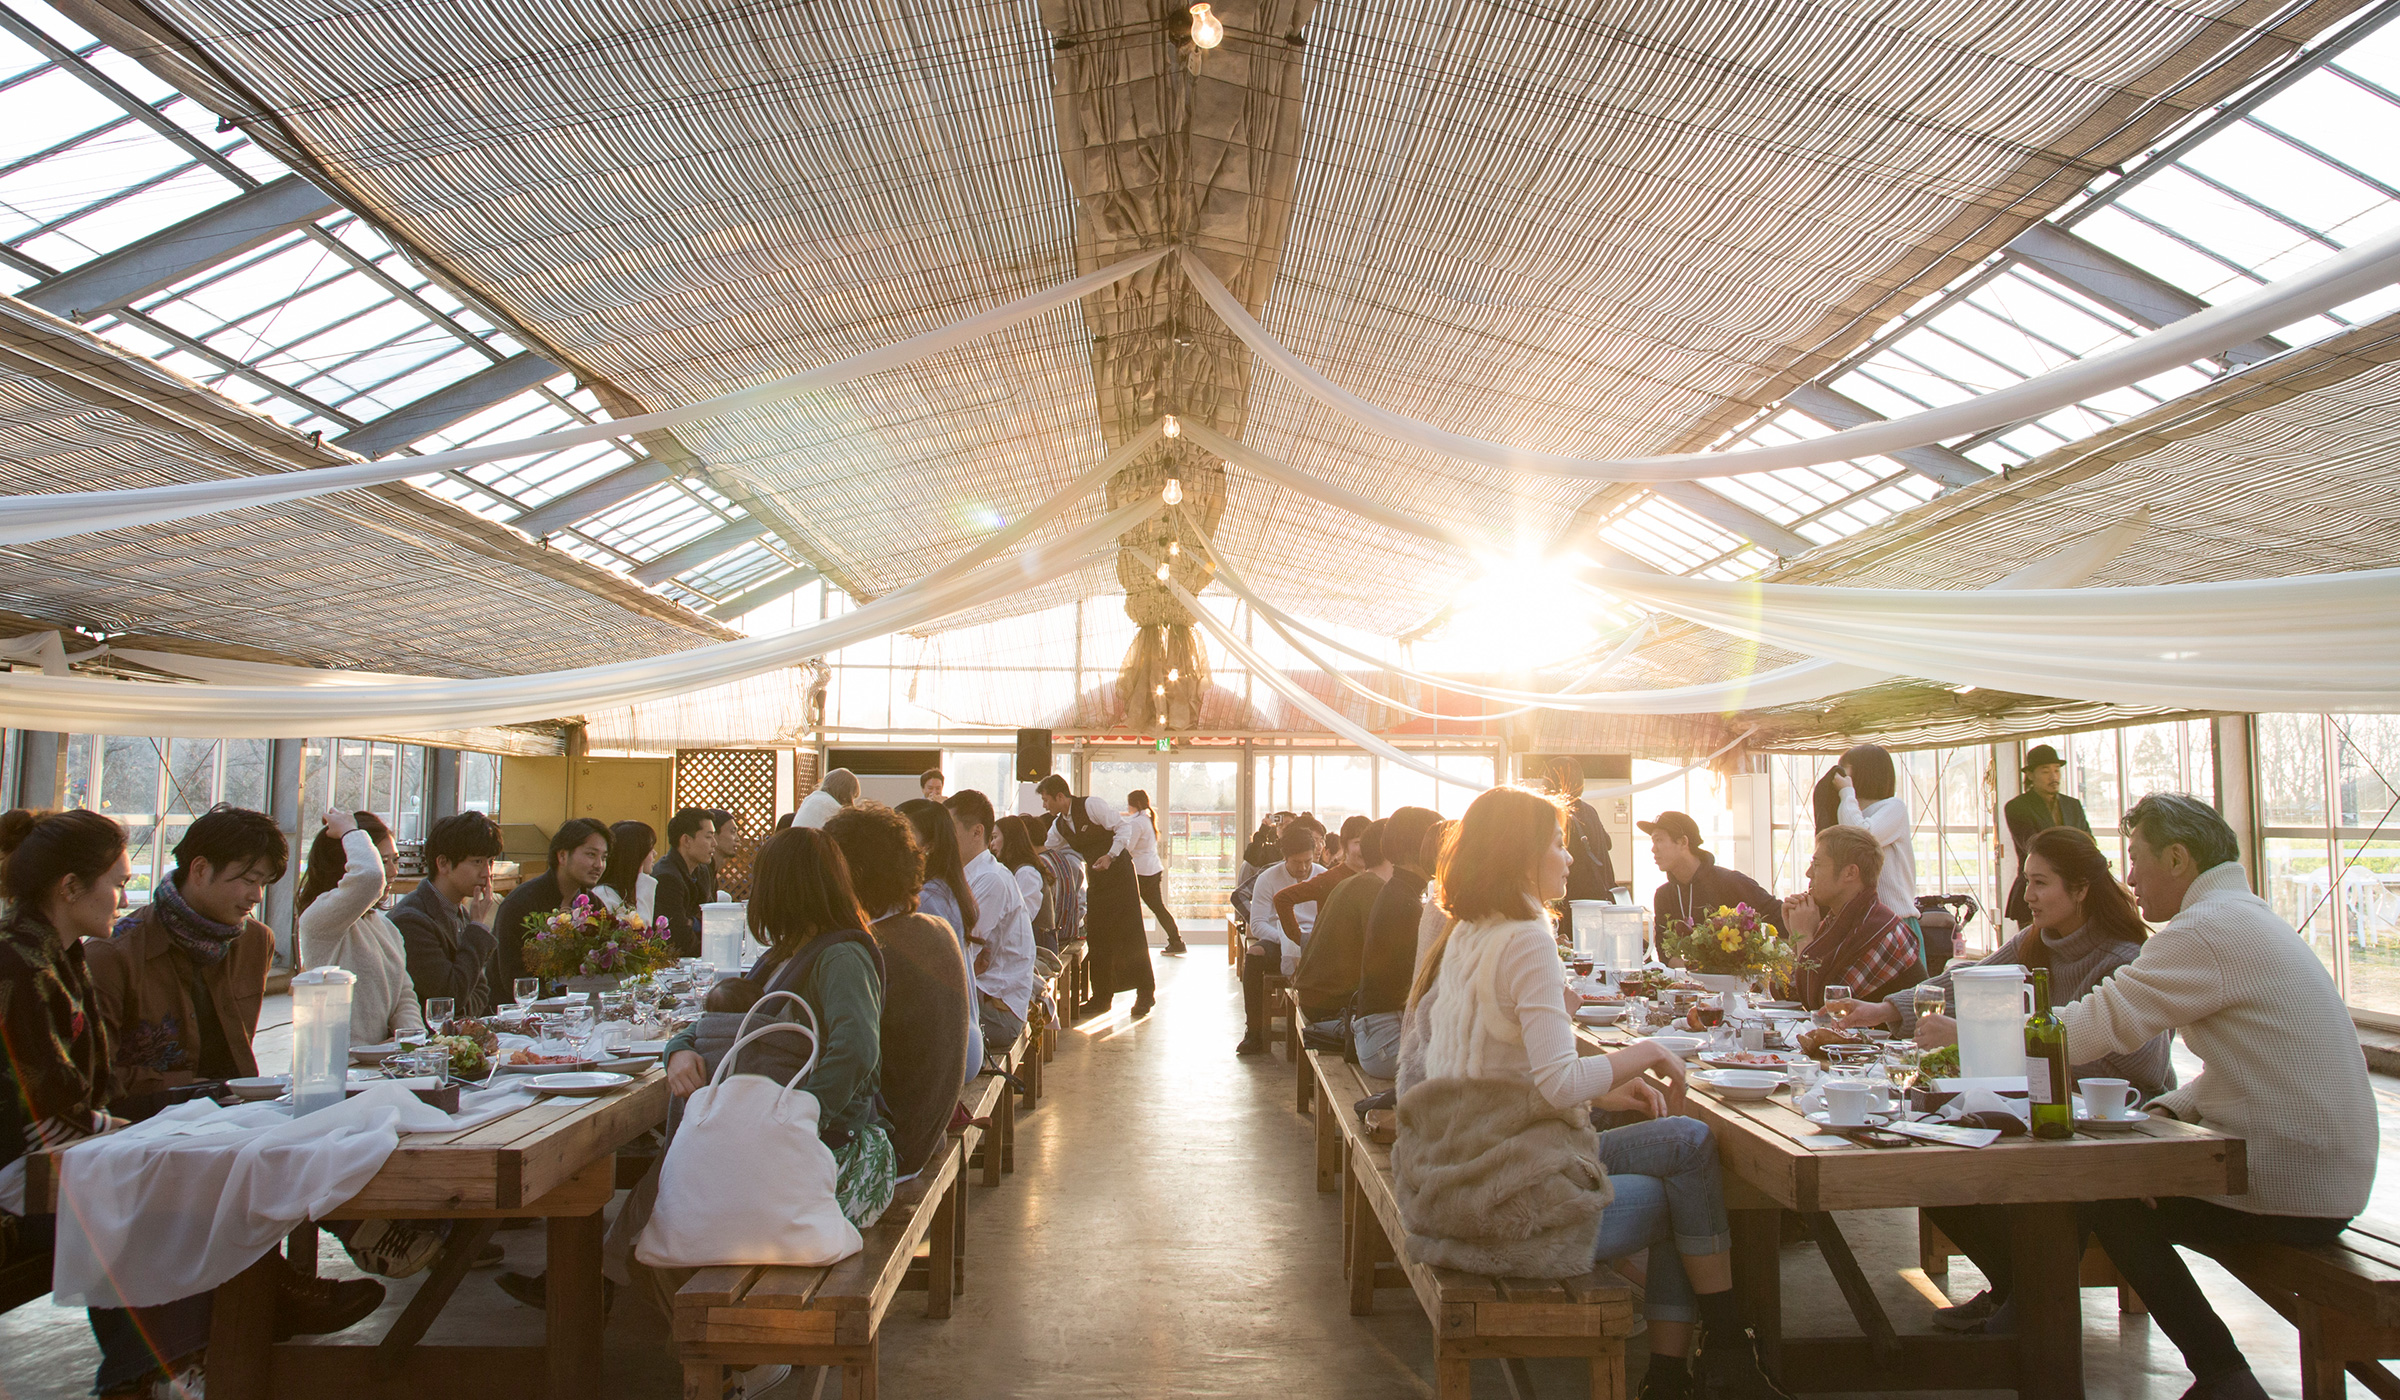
x=1991 y=1004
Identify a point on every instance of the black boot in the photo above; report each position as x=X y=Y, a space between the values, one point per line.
x=1729 y=1367
x=1669 y=1378
x=309 y=1307
x=1175 y=948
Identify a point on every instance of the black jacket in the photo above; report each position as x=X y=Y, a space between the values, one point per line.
x=2028 y=818
x=678 y=902
x=1593 y=874
x=1712 y=885
x=537 y=898
x=1389 y=962
x=448 y=956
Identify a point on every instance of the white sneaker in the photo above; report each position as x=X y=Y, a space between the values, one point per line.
x=394 y=1248
x=190 y=1383
x=756 y=1381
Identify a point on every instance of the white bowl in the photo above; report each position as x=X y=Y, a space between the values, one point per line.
x=1683 y=1045
x=1741 y=1084
x=1599 y=1015
x=271 y=1086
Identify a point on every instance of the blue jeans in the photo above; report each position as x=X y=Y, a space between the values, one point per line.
x=1669 y=1201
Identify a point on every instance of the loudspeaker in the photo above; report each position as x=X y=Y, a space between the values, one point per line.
x=1033 y=755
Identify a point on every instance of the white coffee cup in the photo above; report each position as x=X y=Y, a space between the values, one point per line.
x=1847 y=1101
x=2107 y=1098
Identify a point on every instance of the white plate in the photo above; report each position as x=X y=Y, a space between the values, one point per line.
x=373 y=1054
x=1684 y=1045
x=636 y=1048
x=1599 y=1015
x=1779 y=1006
x=1741 y=1085
x=256 y=1090
x=1784 y=1059
x=2109 y=1125
x=579 y=1085
x=576 y=1067
x=1825 y=1120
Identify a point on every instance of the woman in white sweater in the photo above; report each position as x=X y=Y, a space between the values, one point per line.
x=1491 y=997
x=350 y=864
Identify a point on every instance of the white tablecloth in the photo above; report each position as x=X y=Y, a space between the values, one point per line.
x=179 y=1204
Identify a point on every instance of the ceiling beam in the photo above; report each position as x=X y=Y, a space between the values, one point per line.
x=174 y=253
x=593 y=497
x=1838 y=411
x=1740 y=519
x=453 y=403
x=716 y=544
x=2136 y=295
x=781 y=586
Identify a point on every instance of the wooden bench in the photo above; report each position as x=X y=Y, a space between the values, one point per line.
x=1474 y=1317
x=2096 y=1271
x=2345 y=1299
x=1295 y=1045
x=757 y=1315
x=994 y=1150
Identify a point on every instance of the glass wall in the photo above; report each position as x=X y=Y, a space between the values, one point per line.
x=2329 y=847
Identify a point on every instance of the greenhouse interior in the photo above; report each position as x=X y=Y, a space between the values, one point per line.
x=1127 y=572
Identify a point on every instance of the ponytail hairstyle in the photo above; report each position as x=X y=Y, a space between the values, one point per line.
x=1488 y=868
x=48 y=849
x=327 y=861
x=2108 y=911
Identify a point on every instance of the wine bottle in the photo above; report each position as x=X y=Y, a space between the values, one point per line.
x=2046 y=1076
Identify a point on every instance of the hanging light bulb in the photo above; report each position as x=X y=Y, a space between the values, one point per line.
x=1172 y=428
x=1162 y=573
x=1174 y=492
x=1174 y=549
x=1208 y=31
x=1159 y=690
x=1173 y=674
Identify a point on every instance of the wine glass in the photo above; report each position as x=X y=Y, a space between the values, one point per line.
x=438 y=1014
x=1930 y=1000
x=1903 y=1064
x=1834 y=991
x=528 y=989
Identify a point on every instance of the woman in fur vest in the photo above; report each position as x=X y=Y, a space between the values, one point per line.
x=1496 y=1164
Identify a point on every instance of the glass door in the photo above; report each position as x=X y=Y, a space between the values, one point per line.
x=1201 y=841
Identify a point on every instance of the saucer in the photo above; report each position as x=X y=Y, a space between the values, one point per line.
x=1825 y=1120
x=2109 y=1125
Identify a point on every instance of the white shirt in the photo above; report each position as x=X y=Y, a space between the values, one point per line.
x=1263 y=924
x=1029 y=884
x=344 y=929
x=645 y=898
x=1141 y=843
x=816 y=809
x=1886 y=819
x=1102 y=813
x=1498 y=1010
x=1004 y=965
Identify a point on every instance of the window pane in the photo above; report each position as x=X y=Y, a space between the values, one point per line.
x=2092 y=777
x=2200 y=758
x=1201 y=838
x=411 y=826
x=315 y=759
x=2371 y=920
x=2295 y=885
x=246 y=772
x=2291 y=770
x=383 y=773
x=479 y=783
x=2369 y=771
x=2153 y=760
x=128 y=777
x=191 y=776
x=349 y=776
x=79 y=772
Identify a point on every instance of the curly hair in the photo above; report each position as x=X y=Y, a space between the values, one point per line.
x=887 y=866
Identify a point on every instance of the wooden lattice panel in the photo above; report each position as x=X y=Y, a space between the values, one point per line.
x=740 y=781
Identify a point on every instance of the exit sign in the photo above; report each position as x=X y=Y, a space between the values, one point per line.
x=1162 y=743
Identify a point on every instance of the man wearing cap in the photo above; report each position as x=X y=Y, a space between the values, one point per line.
x=1696 y=885
x=2038 y=808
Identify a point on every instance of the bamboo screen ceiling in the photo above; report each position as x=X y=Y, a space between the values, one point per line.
x=1599 y=230
x=384 y=580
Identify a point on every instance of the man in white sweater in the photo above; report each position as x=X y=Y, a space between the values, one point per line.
x=2282 y=1070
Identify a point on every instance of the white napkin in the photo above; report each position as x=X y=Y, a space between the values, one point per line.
x=1985 y=1101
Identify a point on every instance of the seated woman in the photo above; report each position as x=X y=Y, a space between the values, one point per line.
x=926 y=989
x=627 y=881
x=2084 y=928
x=1015 y=846
x=62 y=882
x=946 y=896
x=803 y=908
x=1492 y=998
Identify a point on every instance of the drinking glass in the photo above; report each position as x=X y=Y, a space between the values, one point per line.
x=1834 y=991
x=438 y=1011
x=1903 y=1064
x=528 y=989
x=1931 y=999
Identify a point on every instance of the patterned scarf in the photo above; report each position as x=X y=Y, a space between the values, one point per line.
x=202 y=939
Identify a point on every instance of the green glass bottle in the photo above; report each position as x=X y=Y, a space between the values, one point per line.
x=2047 y=1079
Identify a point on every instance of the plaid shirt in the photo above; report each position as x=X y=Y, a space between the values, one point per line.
x=57 y=1075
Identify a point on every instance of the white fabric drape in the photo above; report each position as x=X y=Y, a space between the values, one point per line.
x=2316 y=642
x=54 y=514
x=2347 y=275
x=1242 y=454
x=86 y=705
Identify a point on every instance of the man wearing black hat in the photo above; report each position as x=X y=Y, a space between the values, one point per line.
x=1696 y=885
x=2038 y=808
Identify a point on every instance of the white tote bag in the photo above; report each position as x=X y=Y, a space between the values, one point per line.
x=747 y=1180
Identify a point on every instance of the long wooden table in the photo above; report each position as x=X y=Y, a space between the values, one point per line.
x=1776 y=1160
x=554 y=1159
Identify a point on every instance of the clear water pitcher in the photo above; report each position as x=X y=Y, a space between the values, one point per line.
x=320 y=1038
x=724 y=936
x=1991 y=1004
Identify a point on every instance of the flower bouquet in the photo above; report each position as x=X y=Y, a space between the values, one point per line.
x=590 y=938
x=1735 y=941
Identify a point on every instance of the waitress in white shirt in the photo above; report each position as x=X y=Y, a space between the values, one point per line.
x=1141 y=843
x=1869 y=789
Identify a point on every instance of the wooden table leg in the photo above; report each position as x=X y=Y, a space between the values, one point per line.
x=1758 y=1275
x=241 y=1331
x=2046 y=1250
x=577 y=1313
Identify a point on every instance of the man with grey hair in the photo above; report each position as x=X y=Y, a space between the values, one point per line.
x=2282 y=1070
x=838 y=790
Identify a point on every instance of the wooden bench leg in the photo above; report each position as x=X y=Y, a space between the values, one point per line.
x=1031 y=1072
x=1368 y=1248
x=703 y=1380
x=941 y=1259
x=1329 y=1143
x=858 y=1377
x=1933 y=1248
x=1453 y=1378
x=958 y=1233
x=1608 y=1373
x=241 y=1335
x=1007 y=1125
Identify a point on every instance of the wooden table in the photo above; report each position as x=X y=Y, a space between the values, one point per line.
x=1776 y=1160
x=555 y=1159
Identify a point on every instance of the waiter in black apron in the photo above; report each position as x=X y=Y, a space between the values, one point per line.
x=1112 y=921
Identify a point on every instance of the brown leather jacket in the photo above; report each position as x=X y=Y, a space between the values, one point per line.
x=139 y=979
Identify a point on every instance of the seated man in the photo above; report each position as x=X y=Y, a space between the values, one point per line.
x=2281 y=1069
x=446 y=920
x=578 y=861
x=1845 y=936
x=837 y=790
x=1329 y=966
x=1268 y=949
x=724 y=882
x=1003 y=927
x=1696 y=885
x=181 y=980
x=691 y=845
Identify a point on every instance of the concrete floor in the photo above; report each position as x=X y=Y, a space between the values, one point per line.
x=1161 y=1237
